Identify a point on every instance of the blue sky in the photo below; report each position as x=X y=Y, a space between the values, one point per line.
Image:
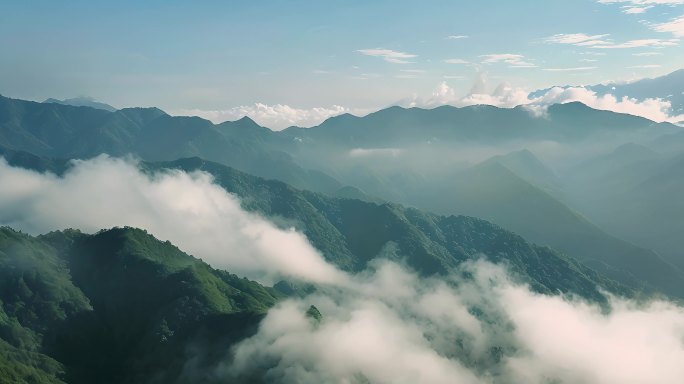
x=214 y=55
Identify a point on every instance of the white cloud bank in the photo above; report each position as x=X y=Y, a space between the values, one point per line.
x=187 y=209
x=653 y=109
x=275 y=117
x=383 y=325
x=506 y=96
x=279 y=116
x=391 y=326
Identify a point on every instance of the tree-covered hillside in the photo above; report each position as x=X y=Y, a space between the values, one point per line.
x=116 y=306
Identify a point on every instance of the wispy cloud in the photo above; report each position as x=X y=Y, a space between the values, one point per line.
x=456 y=61
x=675 y=26
x=657 y=43
x=513 y=60
x=388 y=55
x=635 y=10
x=646 y=66
x=600 y=41
x=366 y=76
x=413 y=70
x=645 y=54
x=579 y=39
x=456 y=37
x=643 y=2
x=571 y=69
x=506 y=96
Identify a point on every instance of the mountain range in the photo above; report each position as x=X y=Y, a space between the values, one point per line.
x=122 y=306
x=72 y=309
x=517 y=191
x=82 y=101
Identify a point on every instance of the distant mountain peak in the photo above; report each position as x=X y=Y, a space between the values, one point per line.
x=82 y=101
x=247 y=122
x=246 y=119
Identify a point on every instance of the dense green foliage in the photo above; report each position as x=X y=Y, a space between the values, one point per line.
x=351 y=232
x=117 y=306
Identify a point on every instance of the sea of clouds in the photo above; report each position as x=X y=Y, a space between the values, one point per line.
x=383 y=325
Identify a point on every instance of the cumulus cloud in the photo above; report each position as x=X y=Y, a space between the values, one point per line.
x=653 y=109
x=507 y=96
x=503 y=96
x=388 y=55
x=389 y=325
x=276 y=117
x=442 y=95
x=185 y=208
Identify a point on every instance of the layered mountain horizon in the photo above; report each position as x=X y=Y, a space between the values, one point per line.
x=342 y=192
x=391 y=144
x=658 y=88
x=363 y=192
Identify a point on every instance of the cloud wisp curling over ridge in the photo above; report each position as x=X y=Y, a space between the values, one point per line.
x=187 y=209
